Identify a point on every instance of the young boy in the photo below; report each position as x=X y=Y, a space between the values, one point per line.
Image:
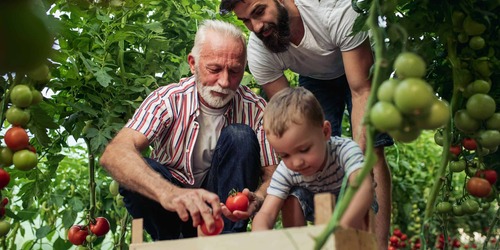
x=311 y=162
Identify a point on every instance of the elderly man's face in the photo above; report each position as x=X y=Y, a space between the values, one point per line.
x=219 y=69
x=268 y=19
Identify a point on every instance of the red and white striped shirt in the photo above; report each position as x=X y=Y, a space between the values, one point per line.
x=167 y=117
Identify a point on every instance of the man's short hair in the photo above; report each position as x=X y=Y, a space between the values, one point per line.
x=292 y=105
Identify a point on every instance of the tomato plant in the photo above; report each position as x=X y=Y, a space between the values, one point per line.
x=478 y=187
x=237 y=202
x=16 y=138
x=77 y=234
x=219 y=226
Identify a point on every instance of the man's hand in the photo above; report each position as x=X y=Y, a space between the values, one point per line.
x=254 y=204
x=200 y=204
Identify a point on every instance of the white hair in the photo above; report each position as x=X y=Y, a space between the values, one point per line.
x=225 y=29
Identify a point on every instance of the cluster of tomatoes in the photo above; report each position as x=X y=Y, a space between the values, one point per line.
x=398 y=240
x=19 y=151
x=406 y=105
x=236 y=201
x=80 y=235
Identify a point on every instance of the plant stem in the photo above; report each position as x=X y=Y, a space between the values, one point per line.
x=379 y=74
x=91 y=180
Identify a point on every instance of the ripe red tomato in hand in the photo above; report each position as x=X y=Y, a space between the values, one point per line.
x=478 y=187
x=100 y=227
x=237 y=202
x=4 y=178
x=219 y=225
x=489 y=174
x=77 y=234
x=16 y=138
x=469 y=144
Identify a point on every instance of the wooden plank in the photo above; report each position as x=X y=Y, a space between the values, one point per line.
x=137 y=231
x=283 y=239
x=323 y=207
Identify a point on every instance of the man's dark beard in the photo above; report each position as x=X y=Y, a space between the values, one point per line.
x=279 y=40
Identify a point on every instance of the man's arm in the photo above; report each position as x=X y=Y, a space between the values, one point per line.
x=123 y=160
x=274 y=87
x=357 y=63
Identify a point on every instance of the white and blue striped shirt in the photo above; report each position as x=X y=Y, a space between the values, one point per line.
x=344 y=157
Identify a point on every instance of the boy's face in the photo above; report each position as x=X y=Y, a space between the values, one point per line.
x=303 y=147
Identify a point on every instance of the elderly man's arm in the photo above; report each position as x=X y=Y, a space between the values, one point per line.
x=123 y=160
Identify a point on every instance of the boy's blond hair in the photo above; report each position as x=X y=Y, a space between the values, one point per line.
x=292 y=105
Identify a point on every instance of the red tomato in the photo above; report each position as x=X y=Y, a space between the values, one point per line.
x=4 y=202
x=31 y=148
x=455 y=150
x=219 y=225
x=237 y=202
x=394 y=239
x=397 y=232
x=4 y=178
x=489 y=174
x=100 y=227
x=16 y=138
x=469 y=144
x=404 y=237
x=478 y=187
x=77 y=234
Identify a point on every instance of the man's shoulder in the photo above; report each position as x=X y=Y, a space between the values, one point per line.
x=184 y=86
x=248 y=96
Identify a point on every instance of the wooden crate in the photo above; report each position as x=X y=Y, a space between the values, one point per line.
x=289 y=238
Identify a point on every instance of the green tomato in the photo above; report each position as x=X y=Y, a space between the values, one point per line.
x=24 y=160
x=17 y=116
x=480 y=106
x=457 y=166
x=386 y=89
x=444 y=207
x=114 y=187
x=477 y=43
x=458 y=210
x=409 y=64
x=405 y=136
x=414 y=96
x=464 y=122
x=473 y=28
x=385 y=116
x=37 y=97
x=40 y=73
x=4 y=228
x=21 y=96
x=6 y=156
x=493 y=122
x=489 y=138
x=438 y=116
x=438 y=137
x=470 y=206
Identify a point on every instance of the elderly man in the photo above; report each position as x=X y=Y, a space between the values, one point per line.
x=207 y=139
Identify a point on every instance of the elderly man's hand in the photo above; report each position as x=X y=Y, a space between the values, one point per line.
x=254 y=204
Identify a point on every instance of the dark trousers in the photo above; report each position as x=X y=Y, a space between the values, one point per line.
x=335 y=98
x=235 y=165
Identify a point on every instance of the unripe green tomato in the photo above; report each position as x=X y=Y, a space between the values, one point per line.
x=4 y=228
x=37 y=97
x=493 y=122
x=114 y=188
x=21 y=96
x=457 y=166
x=477 y=43
x=6 y=156
x=409 y=64
x=24 y=160
x=472 y=27
x=444 y=207
x=385 y=116
x=480 y=106
x=386 y=89
x=17 y=116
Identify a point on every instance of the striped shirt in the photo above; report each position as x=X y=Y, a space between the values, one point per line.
x=344 y=157
x=167 y=117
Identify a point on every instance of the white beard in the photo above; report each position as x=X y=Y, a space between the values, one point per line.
x=215 y=101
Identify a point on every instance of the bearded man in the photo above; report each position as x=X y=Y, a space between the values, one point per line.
x=314 y=39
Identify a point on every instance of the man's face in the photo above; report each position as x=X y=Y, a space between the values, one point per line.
x=219 y=69
x=268 y=19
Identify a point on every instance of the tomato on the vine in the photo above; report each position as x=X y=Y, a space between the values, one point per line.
x=17 y=116
x=385 y=116
x=480 y=106
x=457 y=166
x=489 y=174
x=6 y=156
x=444 y=207
x=455 y=150
x=16 y=138
x=470 y=206
x=100 y=227
x=4 y=178
x=478 y=187
x=464 y=122
x=469 y=143
x=409 y=64
x=4 y=228
x=237 y=202
x=21 y=96
x=24 y=160
x=219 y=226
x=77 y=234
